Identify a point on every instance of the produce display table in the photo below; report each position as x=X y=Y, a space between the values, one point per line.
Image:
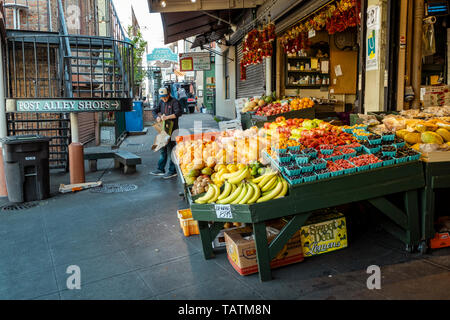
x=250 y=119
x=437 y=176
x=374 y=186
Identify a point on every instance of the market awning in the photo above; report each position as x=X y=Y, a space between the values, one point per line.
x=182 y=25
x=198 y=5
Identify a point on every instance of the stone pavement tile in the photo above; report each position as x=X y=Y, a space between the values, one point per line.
x=344 y=294
x=127 y=286
x=73 y=250
x=183 y=272
x=429 y=287
x=25 y=255
x=95 y=269
x=144 y=231
x=397 y=273
x=277 y=289
x=19 y=224
x=443 y=260
x=52 y=297
x=160 y=250
x=28 y=285
x=222 y=287
x=323 y=286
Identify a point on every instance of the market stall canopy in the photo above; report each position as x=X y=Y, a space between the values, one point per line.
x=211 y=25
x=199 y=5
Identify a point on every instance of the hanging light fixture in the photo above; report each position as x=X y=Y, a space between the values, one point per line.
x=193 y=1
x=163 y=4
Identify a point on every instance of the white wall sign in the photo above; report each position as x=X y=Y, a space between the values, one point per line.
x=373 y=17
x=201 y=60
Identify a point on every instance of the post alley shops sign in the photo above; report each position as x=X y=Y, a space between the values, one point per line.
x=68 y=105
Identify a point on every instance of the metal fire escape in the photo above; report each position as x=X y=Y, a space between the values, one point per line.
x=46 y=64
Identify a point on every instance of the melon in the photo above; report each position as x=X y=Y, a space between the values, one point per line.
x=431 y=137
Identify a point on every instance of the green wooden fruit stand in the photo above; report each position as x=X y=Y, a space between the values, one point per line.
x=437 y=176
x=375 y=186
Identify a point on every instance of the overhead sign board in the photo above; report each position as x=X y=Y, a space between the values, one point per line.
x=68 y=105
x=195 y=61
x=162 y=54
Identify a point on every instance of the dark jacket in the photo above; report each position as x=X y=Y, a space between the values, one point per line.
x=171 y=107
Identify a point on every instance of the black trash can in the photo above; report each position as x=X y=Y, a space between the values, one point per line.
x=27 y=170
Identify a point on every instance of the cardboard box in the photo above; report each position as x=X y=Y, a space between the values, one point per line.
x=219 y=241
x=241 y=249
x=323 y=233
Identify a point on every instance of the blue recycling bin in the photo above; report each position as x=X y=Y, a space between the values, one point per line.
x=135 y=119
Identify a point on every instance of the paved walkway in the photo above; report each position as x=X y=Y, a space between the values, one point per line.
x=130 y=246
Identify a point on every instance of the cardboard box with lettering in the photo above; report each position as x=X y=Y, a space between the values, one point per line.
x=324 y=232
x=241 y=249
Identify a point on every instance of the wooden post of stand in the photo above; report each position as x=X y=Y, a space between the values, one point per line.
x=402 y=55
x=417 y=52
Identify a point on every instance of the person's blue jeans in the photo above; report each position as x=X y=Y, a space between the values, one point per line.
x=166 y=154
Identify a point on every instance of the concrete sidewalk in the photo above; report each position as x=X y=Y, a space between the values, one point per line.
x=129 y=246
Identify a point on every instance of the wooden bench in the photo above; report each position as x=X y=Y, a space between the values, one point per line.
x=122 y=159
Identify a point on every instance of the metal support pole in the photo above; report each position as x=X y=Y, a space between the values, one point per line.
x=417 y=52
x=269 y=76
x=74 y=127
x=402 y=55
x=3 y=126
x=3 y=129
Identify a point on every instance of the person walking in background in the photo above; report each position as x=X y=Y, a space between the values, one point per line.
x=182 y=96
x=167 y=110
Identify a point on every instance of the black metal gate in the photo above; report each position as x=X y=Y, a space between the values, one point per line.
x=54 y=126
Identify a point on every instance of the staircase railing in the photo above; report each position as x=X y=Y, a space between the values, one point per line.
x=125 y=62
x=65 y=51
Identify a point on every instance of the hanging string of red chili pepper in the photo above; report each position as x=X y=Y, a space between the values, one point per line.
x=257 y=45
x=336 y=17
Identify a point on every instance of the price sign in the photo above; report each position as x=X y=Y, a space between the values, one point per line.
x=223 y=211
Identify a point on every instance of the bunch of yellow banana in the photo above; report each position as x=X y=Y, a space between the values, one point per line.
x=239 y=190
x=272 y=186
x=211 y=195
x=224 y=172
